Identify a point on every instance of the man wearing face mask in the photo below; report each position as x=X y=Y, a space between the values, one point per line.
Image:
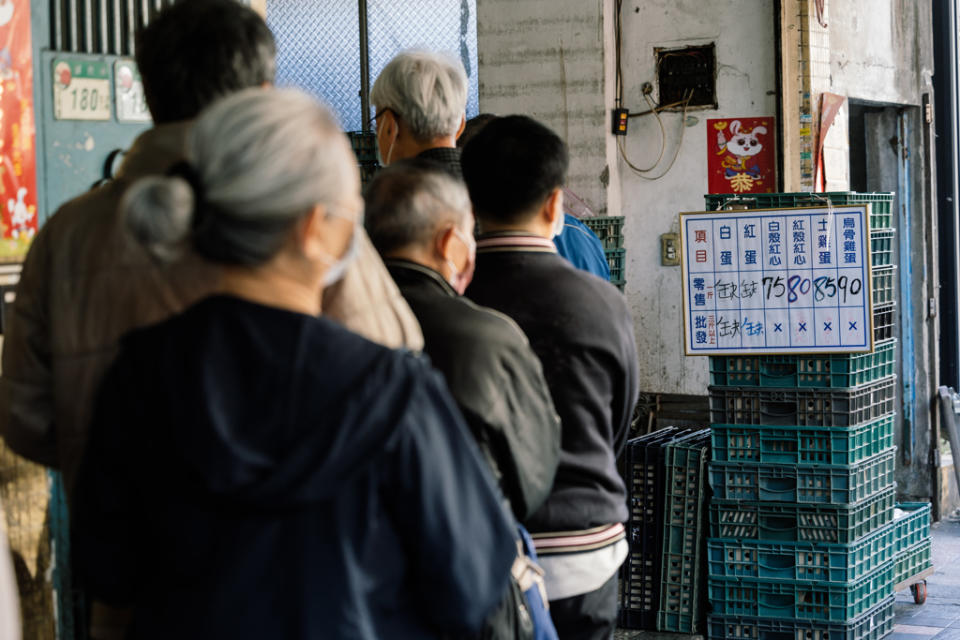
x=580 y=328
x=420 y=100
x=418 y=216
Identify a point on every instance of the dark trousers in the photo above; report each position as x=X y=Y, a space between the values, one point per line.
x=589 y=616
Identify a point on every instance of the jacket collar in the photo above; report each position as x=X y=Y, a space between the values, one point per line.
x=501 y=241
x=405 y=269
x=155 y=150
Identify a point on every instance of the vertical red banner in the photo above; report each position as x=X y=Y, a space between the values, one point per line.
x=18 y=176
x=741 y=155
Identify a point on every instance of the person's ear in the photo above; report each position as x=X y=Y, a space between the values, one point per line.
x=442 y=242
x=310 y=234
x=553 y=207
x=463 y=125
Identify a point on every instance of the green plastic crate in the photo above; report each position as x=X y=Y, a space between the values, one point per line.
x=684 y=529
x=914 y=527
x=801 y=445
x=881 y=204
x=881 y=247
x=912 y=561
x=873 y=625
x=883 y=320
x=801 y=561
x=619 y=284
x=803 y=484
x=884 y=285
x=364 y=146
x=832 y=370
x=801 y=600
x=608 y=228
x=616 y=259
x=784 y=522
x=841 y=407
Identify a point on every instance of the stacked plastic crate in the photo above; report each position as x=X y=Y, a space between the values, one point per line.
x=364 y=145
x=802 y=537
x=610 y=231
x=913 y=561
x=662 y=581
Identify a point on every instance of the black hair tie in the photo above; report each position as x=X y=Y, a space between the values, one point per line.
x=186 y=171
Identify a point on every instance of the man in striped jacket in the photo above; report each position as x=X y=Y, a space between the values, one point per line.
x=579 y=327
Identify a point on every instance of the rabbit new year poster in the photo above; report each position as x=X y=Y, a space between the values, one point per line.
x=740 y=155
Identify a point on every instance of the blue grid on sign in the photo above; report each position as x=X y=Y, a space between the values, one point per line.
x=318 y=44
x=821 y=281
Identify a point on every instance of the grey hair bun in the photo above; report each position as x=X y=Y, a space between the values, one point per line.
x=159 y=212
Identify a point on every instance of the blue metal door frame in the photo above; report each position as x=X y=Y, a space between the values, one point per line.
x=908 y=370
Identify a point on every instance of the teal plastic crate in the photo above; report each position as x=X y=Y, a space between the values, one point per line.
x=881 y=204
x=802 y=561
x=801 y=445
x=841 y=407
x=801 y=600
x=882 y=247
x=912 y=561
x=616 y=259
x=804 y=484
x=364 y=146
x=884 y=285
x=619 y=284
x=833 y=370
x=914 y=527
x=883 y=318
x=784 y=522
x=608 y=228
x=684 y=533
x=873 y=625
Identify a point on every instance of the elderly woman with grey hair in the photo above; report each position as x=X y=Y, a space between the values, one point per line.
x=254 y=470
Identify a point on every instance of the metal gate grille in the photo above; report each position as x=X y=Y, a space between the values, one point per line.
x=318 y=44
x=100 y=26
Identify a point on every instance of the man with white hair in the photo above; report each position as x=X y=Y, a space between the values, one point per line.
x=420 y=101
x=419 y=218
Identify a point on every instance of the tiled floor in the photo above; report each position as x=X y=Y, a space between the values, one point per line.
x=937 y=619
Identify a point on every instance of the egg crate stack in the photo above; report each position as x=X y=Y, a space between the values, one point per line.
x=610 y=231
x=802 y=536
x=662 y=582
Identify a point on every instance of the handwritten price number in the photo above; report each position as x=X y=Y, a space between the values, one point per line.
x=823 y=287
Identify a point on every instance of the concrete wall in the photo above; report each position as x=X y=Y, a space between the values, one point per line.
x=743 y=31
x=881 y=50
x=545 y=59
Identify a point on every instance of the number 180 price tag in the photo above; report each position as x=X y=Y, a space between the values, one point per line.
x=81 y=90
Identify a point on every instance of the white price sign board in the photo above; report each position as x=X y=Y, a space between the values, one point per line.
x=81 y=90
x=777 y=281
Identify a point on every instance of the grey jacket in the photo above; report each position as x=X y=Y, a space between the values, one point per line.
x=496 y=380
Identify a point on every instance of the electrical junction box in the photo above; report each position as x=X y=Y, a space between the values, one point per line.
x=687 y=74
x=670 y=250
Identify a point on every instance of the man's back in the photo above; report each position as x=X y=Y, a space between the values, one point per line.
x=496 y=380
x=84 y=284
x=579 y=327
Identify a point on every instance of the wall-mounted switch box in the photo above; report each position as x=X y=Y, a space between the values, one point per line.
x=670 y=250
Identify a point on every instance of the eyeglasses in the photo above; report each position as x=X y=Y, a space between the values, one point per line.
x=372 y=123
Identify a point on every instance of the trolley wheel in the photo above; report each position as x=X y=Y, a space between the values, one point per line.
x=919 y=591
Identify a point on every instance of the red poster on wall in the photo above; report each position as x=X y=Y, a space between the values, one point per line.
x=18 y=177
x=741 y=156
